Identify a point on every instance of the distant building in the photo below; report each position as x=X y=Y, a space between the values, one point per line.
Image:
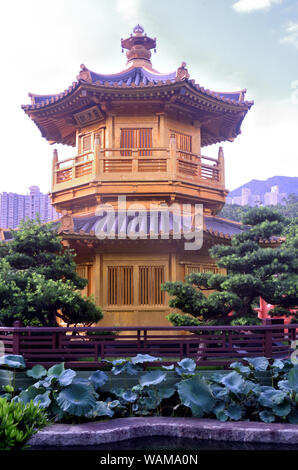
x=16 y=207
x=246 y=198
x=274 y=197
x=268 y=199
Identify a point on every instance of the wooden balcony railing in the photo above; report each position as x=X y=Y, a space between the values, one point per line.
x=208 y=345
x=158 y=163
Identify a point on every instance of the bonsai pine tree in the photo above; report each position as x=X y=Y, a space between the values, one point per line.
x=258 y=263
x=38 y=280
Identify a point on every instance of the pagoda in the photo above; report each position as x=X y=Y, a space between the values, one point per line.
x=138 y=136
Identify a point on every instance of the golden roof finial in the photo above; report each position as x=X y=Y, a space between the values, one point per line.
x=138 y=47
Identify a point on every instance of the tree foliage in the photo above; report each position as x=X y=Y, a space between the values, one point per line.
x=38 y=280
x=254 y=268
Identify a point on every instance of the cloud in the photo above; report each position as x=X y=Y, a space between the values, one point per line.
x=247 y=6
x=128 y=9
x=255 y=154
x=292 y=34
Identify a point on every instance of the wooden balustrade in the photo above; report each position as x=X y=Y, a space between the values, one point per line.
x=208 y=345
x=157 y=163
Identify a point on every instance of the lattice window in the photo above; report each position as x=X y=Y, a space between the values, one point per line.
x=85 y=143
x=83 y=270
x=202 y=268
x=183 y=141
x=136 y=139
x=120 y=285
x=150 y=280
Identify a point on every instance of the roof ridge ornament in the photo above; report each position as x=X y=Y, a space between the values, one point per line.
x=84 y=74
x=182 y=72
x=66 y=222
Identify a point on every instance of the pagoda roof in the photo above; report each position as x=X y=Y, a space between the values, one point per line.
x=134 y=77
x=219 y=114
x=218 y=228
x=213 y=225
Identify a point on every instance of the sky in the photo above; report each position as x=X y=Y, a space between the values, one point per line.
x=228 y=45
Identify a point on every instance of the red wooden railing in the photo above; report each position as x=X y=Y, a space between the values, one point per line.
x=215 y=345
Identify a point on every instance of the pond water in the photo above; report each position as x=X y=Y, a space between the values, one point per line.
x=174 y=443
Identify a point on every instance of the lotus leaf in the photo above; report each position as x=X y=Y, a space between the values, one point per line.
x=12 y=361
x=140 y=358
x=76 y=399
x=98 y=379
x=66 y=377
x=234 y=411
x=267 y=416
x=293 y=378
x=270 y=397
x=283 y=409
x=37 y=372
x=56 y=370
x=129 y=396
x=154 y=377
x=260 y=364
x=234 y=382
x=196 y=394
x=43 y=401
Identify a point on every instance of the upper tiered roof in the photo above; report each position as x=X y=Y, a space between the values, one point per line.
x=53 y=113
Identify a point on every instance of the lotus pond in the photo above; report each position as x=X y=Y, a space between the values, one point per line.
x=237 y=395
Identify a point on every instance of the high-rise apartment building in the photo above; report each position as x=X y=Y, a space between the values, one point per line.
x=274 y=197
x=271 y=198
x=16 y=207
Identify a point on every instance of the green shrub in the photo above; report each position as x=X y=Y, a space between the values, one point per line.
x=18 y=422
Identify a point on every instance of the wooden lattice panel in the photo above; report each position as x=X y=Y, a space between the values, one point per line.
x=117 y=165
x=183 y=141
x=83 y=270
x=188 y=168
x=83 y=169
x=64 y=175
x=136 y=139
x=209 y=172
x=202 y=268
x=150 y=280
x=152 y=165
x=85 y=143
x=120 y=285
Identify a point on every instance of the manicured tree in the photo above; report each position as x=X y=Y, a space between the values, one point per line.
x=38 y=280
x=254 y=269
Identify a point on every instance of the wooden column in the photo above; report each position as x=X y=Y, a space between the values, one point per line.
x=97 y=155
x=96 y=281
x=196 y=142
x=162 y=130
x=221 y=166
x=54 y=167
x=173 y=156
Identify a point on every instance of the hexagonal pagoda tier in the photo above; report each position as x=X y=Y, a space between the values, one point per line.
x=138 y=134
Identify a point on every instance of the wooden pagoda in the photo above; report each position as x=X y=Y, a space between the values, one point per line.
x=138 y=134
